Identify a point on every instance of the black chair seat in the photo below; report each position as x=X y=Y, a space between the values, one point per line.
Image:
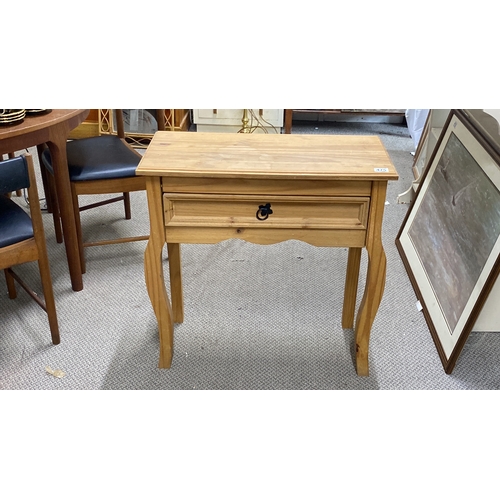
x=15 y=223
x=97 y=158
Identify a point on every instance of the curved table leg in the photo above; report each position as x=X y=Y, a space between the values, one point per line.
x=153 y=270
x=174 y=262
x=351 y=287
x=375 y=278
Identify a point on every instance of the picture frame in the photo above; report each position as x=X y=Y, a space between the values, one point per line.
x=421 y=154
x=449 y=241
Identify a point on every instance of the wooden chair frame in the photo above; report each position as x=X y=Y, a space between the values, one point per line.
x=32 y=249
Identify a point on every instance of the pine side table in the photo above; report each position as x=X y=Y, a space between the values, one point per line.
x=325 y=190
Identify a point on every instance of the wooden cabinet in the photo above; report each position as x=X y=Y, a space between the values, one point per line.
x=238 y=120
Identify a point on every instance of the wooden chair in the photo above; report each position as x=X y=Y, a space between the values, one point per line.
x=99 y=165
x=22 y=238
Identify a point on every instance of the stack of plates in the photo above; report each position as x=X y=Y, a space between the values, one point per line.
x=11 y=116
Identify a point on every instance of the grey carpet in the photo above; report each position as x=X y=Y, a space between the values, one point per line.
x=256 y=317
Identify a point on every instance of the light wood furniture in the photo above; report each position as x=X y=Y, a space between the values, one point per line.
x=52 y=129
x=238 y=120
x=266 y=188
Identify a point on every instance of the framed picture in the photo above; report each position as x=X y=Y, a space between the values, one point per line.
x=450 y=238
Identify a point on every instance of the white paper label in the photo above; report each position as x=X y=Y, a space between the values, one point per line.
x=381 y=169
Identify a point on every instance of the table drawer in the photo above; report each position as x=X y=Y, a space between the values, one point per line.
x=305 y=212
x=268 y=187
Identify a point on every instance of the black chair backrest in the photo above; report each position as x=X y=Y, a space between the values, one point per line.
x=14 y=175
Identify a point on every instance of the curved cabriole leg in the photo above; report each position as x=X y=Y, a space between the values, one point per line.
x=351 y=287
x=375 y=278
x=153 y=271
x=174 y=262
x=374 y=289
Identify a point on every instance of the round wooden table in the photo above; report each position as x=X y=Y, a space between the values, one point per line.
x=52 y=129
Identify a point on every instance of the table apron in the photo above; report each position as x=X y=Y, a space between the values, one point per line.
x=347 y=238
x=18 y=143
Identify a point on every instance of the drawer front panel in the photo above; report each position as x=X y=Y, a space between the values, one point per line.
x=287 y=211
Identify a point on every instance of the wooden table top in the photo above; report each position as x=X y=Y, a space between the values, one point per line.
x=35 y=122
x=270 y=156
x=37 y=129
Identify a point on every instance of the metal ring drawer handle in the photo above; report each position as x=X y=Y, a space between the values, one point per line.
x=264 y=211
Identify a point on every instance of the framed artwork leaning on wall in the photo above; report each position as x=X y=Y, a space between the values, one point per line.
x=450 y=238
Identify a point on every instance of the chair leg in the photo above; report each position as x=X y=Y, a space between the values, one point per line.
x=126 y=202
x=78 y=224
x=48 y=294
x=11 y=285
